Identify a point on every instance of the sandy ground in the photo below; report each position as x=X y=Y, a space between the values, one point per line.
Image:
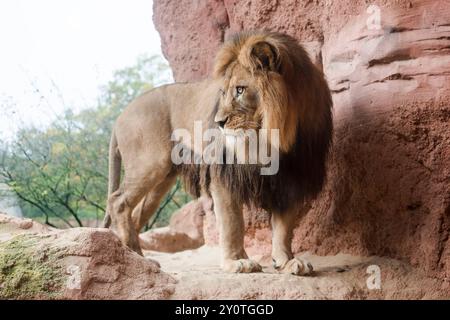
x=336 y=277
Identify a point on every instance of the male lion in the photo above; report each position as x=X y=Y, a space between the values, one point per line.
x=261 y=80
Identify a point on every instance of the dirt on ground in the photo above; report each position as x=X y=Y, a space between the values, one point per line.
x=341 y=276
x=37 y=262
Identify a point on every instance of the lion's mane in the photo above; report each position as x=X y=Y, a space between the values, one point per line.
x=297 y=101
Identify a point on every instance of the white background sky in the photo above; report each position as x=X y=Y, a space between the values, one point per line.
x=76 y=44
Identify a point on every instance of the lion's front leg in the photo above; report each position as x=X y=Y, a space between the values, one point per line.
x=283 y=259
x=230 y=223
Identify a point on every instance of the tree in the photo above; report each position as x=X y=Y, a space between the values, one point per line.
x=60 y=172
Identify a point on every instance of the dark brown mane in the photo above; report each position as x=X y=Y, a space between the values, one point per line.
x=300 y=177
x=302 y=171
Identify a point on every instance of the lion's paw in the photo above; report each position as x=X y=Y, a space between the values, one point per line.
x=296 y=267
x=241 y=266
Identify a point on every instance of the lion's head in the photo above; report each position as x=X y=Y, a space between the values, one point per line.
x=268 y=81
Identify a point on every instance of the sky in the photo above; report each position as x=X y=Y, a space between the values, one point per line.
x=56 y=54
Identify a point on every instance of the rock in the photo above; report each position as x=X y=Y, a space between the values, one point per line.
x=79 y=263
x=185 y=230
x=201 y=44
x=87 y=263
x=340 y=276
x=388 y=66
x=10 y=226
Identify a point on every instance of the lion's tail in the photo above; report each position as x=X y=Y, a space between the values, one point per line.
x=115 y=162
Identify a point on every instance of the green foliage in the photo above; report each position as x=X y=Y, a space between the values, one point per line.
x=130 y=82
x=60 y=172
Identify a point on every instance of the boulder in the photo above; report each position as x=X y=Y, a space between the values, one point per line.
x=11 y=226
x=185 y=230
x=81 y=263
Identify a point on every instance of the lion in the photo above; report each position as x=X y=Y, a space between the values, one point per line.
x=260 y=80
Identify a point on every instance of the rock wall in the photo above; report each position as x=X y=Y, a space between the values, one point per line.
x=388 y=66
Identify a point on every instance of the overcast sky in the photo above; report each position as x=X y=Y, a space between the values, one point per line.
x=76 y=44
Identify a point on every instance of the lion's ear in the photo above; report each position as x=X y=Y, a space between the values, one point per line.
x=265 y=56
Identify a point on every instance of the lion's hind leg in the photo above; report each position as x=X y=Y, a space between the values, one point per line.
x=283 y=259
x=122 y=202
x=120 y=207
x=147 y=207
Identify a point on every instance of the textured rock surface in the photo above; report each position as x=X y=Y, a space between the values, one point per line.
x=87 y=263
x=11 y=226
x=336 y=277
x=80 y=263
x=185 y=231
x=388 y=191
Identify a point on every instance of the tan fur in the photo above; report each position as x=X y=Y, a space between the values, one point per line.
x=283 y=90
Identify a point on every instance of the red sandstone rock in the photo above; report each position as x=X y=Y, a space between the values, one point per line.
x=87 y=263
x=108 y=270
x=388 y=190
x=10 y=226
x=185 y=231
x=78 y=263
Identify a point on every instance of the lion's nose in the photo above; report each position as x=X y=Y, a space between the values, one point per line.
x=222 y=123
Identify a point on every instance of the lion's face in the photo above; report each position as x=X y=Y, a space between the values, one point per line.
x=239 y=101
x=268 y=82
x=254 y=94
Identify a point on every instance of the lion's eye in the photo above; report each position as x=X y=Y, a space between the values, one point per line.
x=239 y=90
x=222 y=92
